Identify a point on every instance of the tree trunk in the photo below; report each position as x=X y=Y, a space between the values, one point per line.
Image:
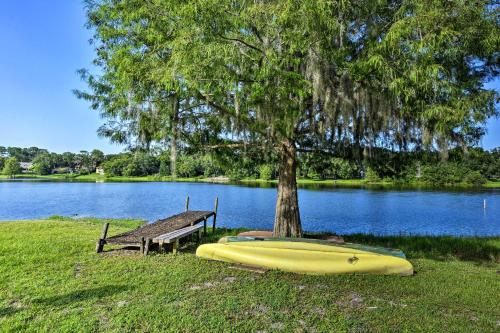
x=287 y=218
x=173 y=145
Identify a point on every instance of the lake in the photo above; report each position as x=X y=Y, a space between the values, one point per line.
x=340 y=210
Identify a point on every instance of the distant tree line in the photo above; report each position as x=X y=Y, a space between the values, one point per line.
x=474 y=166
x=43 y=162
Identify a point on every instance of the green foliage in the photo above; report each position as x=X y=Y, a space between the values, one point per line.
x=142 y=164
x=96 y=157
x=116 y=165
x=342 y=169
x=68 y=160
x=474 y=178
x=313 y=174
x=84 y=170
x=22 y=154
x=43 y=164
x=442 y=174
x=165 y=163
x=471 y=167
x=246 y=164
x=324 y=166
x=371 y=175
x=266 y=172
x=83 y=162
x=137 y=164
x=210 y=166
x=132 y=169
x=11 y=167
x=164 y=168
x=237 y=173
x=189 y=166
x=450 y=174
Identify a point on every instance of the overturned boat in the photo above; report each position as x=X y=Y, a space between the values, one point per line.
x=307 y=256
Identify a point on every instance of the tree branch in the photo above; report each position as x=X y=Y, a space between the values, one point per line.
x=243 y=42
x=232 y=145
x=249 y=122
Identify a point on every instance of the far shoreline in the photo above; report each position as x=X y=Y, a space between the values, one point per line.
x=302 y=182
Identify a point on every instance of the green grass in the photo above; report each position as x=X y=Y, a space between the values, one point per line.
x=97 y=178
x=33 y=176
x=492 y=184
x=304 y=181
x=52 y=281
x=356 y=183
x=249 y=181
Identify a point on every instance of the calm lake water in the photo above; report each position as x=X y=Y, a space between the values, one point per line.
x=340 y=210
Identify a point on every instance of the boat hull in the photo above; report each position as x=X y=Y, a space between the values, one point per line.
x=305 y=257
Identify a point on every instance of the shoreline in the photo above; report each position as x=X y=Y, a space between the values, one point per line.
x=328 y=183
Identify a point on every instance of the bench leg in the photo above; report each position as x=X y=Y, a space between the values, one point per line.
x=175 y=246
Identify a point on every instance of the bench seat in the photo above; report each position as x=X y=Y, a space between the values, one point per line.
x=175 y=236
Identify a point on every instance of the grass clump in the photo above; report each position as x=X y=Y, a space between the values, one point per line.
x=51 y=280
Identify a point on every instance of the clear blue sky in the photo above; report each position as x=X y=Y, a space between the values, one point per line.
x=43 y=44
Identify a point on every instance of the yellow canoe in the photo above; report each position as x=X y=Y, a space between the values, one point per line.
x=305 y=257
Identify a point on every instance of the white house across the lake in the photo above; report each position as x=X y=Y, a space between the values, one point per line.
x=26 y=166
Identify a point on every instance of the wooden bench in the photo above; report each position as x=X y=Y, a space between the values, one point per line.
x=175 y=236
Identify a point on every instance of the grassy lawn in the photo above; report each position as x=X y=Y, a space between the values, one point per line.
x=51 y=280
x=96 y=178
x=495 y=184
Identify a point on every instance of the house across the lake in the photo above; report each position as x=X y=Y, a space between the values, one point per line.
x=26 y=166
x=99 y=170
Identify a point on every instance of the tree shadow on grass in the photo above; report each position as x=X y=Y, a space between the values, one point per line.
x=190 y=243
x=8 y=311
x=82 y=295
x=476 y=249
x=481 y=250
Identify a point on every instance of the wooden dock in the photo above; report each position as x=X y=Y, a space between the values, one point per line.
x=148 y=234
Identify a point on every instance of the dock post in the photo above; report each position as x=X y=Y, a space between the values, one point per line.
x=101 y=241
x=142 y=245
x=146 y=247
x=175 y=246
x=187 y=203
x=215 y=212
x=205 y=226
